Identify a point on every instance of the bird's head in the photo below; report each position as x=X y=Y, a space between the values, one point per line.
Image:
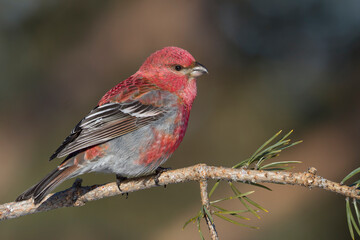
x=173 y=69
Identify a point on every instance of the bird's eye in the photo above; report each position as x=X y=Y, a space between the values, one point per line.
x=178 y=67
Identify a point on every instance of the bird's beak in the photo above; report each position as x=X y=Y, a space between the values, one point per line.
x=198 y=70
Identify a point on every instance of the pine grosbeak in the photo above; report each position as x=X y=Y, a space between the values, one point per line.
x=135 y=127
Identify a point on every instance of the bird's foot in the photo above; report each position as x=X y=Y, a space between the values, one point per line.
x=158 y=172
x=119 y=179
x=77 y=191
x=126 y=195
x=77 y=183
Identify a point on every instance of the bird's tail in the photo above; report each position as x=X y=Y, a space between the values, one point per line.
x=51 y=181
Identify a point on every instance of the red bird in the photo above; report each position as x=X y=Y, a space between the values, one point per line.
x=135 y=127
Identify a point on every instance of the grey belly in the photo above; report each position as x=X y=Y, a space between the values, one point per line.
x=124 y=152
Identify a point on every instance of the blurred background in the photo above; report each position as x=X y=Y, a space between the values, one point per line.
x=273 y=65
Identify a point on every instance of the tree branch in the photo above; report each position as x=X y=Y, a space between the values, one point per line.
x=77 y=195
x=206 y=206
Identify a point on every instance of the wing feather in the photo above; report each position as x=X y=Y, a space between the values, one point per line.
x=106 y=122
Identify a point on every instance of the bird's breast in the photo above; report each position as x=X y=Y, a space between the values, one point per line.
x=165 y=140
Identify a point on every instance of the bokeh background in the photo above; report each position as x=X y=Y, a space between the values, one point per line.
x=273 y=65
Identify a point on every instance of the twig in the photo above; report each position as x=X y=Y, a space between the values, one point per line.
x=206 y=205
x=78 y=196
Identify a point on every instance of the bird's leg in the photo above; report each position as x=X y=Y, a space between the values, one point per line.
x=158 y=172
x=77 y=186
x=119 y=179
x=77 y=183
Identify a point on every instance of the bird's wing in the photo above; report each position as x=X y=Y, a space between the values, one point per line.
x=111 y=120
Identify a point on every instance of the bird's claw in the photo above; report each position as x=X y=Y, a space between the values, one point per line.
x=158 y=172
x=77 y=183
x=119 y=179
x=126 y=195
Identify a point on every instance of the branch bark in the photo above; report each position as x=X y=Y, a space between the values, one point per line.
x=206 y=204
x=77 y=195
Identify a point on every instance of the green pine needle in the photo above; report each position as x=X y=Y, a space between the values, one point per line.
x=264 y=145
x=240 y=195
x=354 y=224
x=356 y=183
x=241 y=164
x=260 y=185
x=236 y=191
x=248 y=199
x=290 y=145
x=207 y=213
x=199 y=228
x=255 y=204
x=350 y=175
x=214 y=187
x=348 y=217
x=281 y=163
x=265 y=151
x=223 y=209
x=233 y=213
x=234 y=222
x=356 y=211
x=279 y=169
x=191 y=220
